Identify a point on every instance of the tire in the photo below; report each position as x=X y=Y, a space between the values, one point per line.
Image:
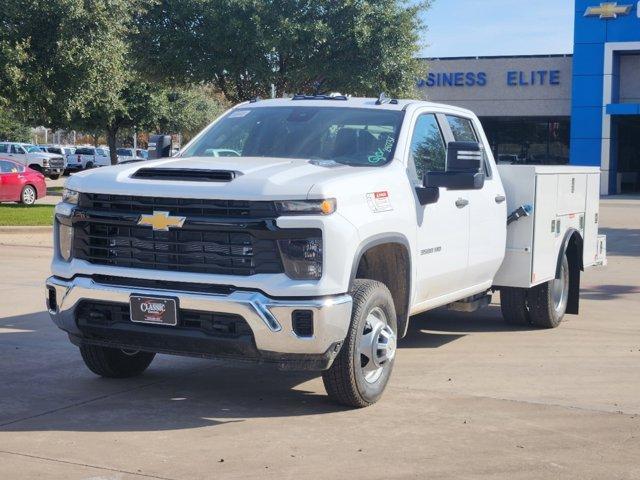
x=513 y=303
x=54 y=177
x=28 y=195
x=358 y=376
x=548 y=302
x=36 y=167
x=115 y=363
x=88 y=166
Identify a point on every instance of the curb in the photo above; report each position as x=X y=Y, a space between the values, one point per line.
x=25 y=229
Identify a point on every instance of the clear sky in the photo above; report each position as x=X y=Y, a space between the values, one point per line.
x=469 y=28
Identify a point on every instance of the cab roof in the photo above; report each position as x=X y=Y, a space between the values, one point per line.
x=346 y=102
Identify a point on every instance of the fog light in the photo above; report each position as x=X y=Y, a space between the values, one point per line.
x=65 y=241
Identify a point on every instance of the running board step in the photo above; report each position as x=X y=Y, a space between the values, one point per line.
x=471 y=304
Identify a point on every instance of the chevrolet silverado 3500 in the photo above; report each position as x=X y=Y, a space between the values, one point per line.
x=333 y=220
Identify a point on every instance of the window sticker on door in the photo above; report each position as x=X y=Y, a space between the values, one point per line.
x=379 y=202
x=377 y=157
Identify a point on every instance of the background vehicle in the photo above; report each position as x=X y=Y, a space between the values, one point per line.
x=125 y=154
x=67 y=152
x=20 y=184
x=341 y=218
x=90 y=157
x=49 y=164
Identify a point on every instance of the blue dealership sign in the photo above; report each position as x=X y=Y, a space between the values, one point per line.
x=512 y=78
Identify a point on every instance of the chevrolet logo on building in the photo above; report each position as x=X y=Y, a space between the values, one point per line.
x=608 y=10
x=161 y=221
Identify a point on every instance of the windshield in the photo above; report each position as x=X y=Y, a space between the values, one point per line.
x=124 y=151
x=354 y=136
x=32 y=149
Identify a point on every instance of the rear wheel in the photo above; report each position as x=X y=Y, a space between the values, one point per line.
x=548 y=302
x=114 y=362
x=362 y=369
x=54 y=177
x=89 y=165
x=28 y=195
x=513 y=303
x=542 y=306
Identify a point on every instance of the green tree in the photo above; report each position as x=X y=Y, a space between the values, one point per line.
x=244 y=46
x=61 y=56
x=11 y=128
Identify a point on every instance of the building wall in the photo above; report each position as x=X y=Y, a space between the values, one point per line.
x=600 y=77
x=501 y=86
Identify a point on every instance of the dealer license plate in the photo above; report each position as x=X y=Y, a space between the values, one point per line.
x=156 y=310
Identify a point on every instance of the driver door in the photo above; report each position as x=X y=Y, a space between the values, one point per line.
x=442 y=227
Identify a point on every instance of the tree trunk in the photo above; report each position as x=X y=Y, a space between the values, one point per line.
x=111 y=141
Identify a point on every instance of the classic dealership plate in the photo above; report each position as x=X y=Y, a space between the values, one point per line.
x=155 y=310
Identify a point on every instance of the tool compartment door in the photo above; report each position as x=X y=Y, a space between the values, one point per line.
x=545 y=235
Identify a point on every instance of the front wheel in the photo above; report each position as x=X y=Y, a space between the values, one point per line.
x=362 y=369
x=114 y=362
x=54 y=177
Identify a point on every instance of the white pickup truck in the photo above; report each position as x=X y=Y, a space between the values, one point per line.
x=340 y=218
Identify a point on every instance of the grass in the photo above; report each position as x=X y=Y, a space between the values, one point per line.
x=21 y=215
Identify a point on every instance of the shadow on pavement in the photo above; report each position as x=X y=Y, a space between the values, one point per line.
x=608 y=292
x=623 y=242
x=46 y=386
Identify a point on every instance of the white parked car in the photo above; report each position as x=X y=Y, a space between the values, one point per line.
x=340 y=219
x=49 y=164
x=90 y=157
x=128 y=154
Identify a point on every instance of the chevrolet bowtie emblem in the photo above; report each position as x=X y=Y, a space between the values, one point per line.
x=161 y=221
x=608 y=10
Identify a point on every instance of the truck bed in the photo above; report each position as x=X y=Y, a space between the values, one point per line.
x=564 y=199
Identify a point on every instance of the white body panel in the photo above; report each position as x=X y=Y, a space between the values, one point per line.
x=563 y=198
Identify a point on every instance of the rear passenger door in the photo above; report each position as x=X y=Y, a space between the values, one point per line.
x=442 y=227
x=486 y=208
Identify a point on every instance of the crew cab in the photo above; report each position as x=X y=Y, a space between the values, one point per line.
x=90 y=157
x=49 y=164
x=339 y=219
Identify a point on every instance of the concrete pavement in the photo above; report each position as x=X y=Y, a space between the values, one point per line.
x=469 y=398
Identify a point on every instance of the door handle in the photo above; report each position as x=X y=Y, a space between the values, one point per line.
x=500 y=198
x=462 y=202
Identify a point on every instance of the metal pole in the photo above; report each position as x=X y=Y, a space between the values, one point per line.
x=273 y=91
x=135 y=141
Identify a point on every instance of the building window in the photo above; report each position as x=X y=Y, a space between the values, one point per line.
x=528 y=140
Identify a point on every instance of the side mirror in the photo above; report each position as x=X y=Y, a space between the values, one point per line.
x=464 y=168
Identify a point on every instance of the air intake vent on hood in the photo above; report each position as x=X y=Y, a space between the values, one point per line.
x=185 y=174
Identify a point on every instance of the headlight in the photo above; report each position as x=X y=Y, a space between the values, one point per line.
x=307 y=207
x=70 y=196
x=45 y=162
x=302 y=259
x=65 y=240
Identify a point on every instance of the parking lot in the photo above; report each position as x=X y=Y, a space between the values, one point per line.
x=470 y=397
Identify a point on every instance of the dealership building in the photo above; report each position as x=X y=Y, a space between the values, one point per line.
x=582 y=109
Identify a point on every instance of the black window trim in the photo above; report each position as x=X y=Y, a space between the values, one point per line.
x=410 y=161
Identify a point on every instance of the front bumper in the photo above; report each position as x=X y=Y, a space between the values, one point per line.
x=53 y=171
x=270 y=320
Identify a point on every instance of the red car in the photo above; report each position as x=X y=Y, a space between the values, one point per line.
x=20 y=184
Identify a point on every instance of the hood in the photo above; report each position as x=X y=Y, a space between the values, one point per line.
x=254 y=178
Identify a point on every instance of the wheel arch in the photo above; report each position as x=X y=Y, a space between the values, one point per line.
x=387 y=259
x=572 y=246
